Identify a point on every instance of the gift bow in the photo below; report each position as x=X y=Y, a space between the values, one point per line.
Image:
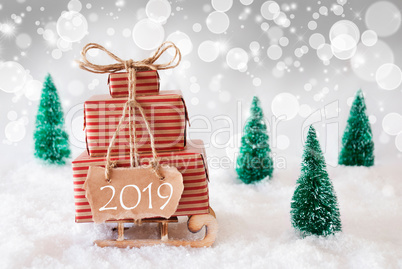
x=131 y=67
x=145 y=64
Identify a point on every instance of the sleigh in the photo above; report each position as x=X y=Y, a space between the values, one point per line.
x=193 y=204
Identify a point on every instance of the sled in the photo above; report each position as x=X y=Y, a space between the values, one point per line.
x=194 y=224
x=194 y=203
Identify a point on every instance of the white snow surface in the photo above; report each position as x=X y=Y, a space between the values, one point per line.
x=38 y=228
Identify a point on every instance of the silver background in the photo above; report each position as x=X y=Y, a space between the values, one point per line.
x=39 y=61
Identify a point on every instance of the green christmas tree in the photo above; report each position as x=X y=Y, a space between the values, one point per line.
x=314 y=207
x=51 y=140
x=357 y=143
x=254 y=162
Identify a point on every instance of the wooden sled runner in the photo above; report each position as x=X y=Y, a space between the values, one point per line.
x=194 y=225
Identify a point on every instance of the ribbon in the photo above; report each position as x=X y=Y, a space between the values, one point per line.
x=131 y=67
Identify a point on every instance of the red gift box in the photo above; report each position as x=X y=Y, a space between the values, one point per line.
x=147 y=83
x=166 y=114
x=190 y=162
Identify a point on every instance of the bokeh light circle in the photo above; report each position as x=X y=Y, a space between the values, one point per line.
x=324 y=52
x=197 y=27
x=277 y=73
x=147 y=34
x=285 y=104
x=316 y=40
x=12 y=76
x=126 y=32
x=72 y=26
x=343 y=43
x=308 y=87
x=270 y=10
x=57 y=54
x=254 y=46
x=158 y=10
x=344 y=35
x=312 y=25
x=384 y=18
x=298 y=53
x=389 y=76
x=284 y=41
x=392 y=123
x=218 y=22
x=274 y=52
x=264 y=26
x=74 y=5
x=195 y=101
x=195 y=87
x=323 y=10
x=12 y=115
x=222 y=5
x=282 y=20
x=281 y=65
x=237 y=58
x=344 y=54
x=182 y=41
x=110 y=31
x=15 y=131
x=23 y=41
x=208 y=51
x=367 y=60
x=256 y=82
x=33 y=90
x=337 y=9
x=372 y=119
x=246 y=2
x=64 y=45
x=369 y=38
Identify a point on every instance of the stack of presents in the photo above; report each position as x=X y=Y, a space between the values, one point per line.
x=167 y=115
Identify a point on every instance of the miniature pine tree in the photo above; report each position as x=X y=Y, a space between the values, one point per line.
x=357 y=143
x=51 y=140
x=254 y=162
x=314 y=207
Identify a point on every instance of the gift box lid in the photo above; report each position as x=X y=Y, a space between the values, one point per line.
x=164 y=96
x=142 y=74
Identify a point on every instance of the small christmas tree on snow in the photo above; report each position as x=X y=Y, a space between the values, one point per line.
x=357 y=143
x=254 y=162
x=314 y=207
x=51 y=140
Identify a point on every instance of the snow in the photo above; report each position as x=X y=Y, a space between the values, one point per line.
x=38 y=228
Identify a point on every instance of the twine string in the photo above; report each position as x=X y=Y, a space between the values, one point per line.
x=131 y=105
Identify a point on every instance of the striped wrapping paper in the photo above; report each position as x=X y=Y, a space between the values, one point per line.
x=190 y=162
x=166 y=114
x=147 y=83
